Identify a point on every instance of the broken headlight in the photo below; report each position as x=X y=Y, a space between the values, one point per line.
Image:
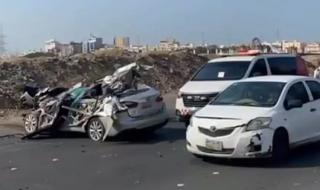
x=258 y=123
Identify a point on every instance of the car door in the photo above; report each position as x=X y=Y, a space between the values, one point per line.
x=314 y=87
x=297 y=119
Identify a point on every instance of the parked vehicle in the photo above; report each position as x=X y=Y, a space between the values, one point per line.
x=258 y=117
x=218 y=74
x=114 y=104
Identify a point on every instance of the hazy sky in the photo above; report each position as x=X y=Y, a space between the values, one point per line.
x=28 y=23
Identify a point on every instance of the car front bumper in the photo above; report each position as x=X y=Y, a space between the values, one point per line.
x=239 y=144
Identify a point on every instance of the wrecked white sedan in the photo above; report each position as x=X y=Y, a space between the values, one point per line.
x=258 y=117
x=113 y=104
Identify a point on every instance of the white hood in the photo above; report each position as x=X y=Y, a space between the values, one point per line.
x=205 y=87
x=226 y=116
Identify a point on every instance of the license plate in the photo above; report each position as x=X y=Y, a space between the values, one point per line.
x=146 y=105
x=214 y=145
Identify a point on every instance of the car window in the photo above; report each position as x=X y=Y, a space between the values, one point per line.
x=297 y=92
x=228 y=70
x=315 y=89
x=283 y=65
x=259 y=68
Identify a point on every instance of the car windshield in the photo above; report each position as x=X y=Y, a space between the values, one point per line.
x=257 y=94
x=232 y=70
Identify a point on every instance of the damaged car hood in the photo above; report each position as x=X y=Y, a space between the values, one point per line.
x=229 y=116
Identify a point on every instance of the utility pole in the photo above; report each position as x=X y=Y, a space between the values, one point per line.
x=2 y=42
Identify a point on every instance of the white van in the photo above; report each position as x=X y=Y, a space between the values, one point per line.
x=218 y=74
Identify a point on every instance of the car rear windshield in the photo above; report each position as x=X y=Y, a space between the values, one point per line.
x=232 y=70
x=257 y=94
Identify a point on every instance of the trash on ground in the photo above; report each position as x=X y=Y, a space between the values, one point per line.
x=180 y=185
x=55 y=160
x=13 y=169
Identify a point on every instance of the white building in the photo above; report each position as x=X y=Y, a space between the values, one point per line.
x=169 y=45
x=52 y=46
x=312 y=48
x=92 y=44
x=187 y=46
x=292 y=46
x=138 y=48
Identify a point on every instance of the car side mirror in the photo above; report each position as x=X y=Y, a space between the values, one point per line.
x=293 y=103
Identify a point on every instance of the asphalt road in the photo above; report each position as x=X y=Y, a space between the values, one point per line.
x=131 y=161
x=158 y=161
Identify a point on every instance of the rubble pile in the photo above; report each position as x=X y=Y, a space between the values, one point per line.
x=170 y=70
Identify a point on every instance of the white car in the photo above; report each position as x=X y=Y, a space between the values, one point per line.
x=258 y=117
x=218 y=74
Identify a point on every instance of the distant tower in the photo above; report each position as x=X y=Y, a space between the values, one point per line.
x=2 y=42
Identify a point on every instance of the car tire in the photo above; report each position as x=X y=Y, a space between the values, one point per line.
x=280 y=146
x=96 y=129
x=31 y=123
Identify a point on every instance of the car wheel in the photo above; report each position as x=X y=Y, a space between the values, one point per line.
x=31 y=123
x=280 y=150
x=96 y=130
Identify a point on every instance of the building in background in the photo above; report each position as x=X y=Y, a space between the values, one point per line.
x=169 y=45
x=76 y=47
x=70 y=49
x=187 y=46
x=139 y=48
x=52 y=46
x=92 y=44
x=312 y=48
x=63 y=50
x=292 y=46
x=121 y=42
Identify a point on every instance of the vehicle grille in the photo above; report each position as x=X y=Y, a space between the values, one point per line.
x=197 y=100
x=216 y=133
x=210 y=151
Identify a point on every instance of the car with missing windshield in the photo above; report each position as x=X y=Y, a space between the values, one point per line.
x=218 y=74
x=258 y=117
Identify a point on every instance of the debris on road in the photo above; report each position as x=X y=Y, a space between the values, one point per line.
x=180 y=185
x=55 y=160
x=13 y=169
x=159 y=154
x=215 y=173
x=296 y=184
x=2 y=113
x=137 y=182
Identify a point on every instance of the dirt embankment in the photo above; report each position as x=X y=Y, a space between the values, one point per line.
x=170 y=70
